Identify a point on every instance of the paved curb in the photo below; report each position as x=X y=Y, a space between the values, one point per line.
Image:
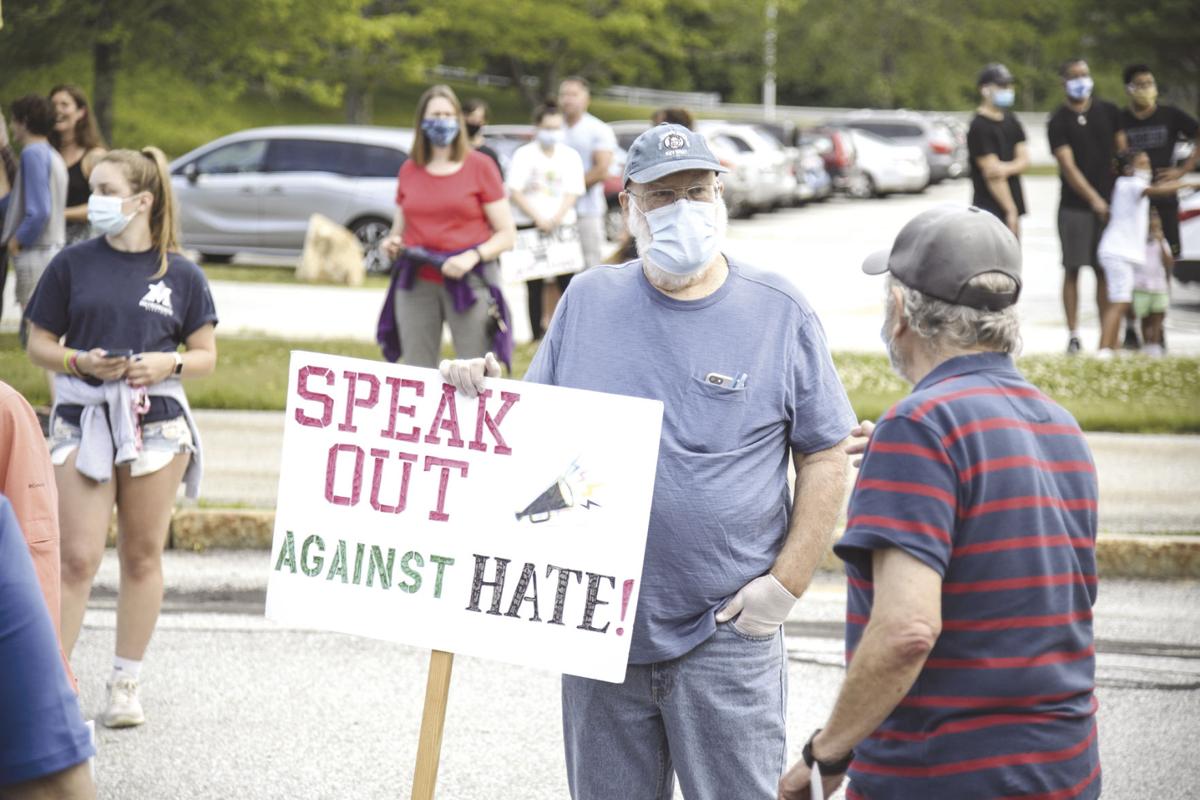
x=1117 y=555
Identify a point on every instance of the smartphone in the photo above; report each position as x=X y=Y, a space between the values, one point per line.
x=122 y=352
x=717 y=379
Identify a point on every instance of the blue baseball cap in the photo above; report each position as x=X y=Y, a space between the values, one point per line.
x=665 y=149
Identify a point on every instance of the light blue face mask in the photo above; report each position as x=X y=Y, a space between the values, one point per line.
x=104 y=214
x=550 y=137
x=1003 y=98
x=683 y=236
x=1079 y=88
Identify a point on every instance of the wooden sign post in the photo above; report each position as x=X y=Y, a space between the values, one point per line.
x=433 y=721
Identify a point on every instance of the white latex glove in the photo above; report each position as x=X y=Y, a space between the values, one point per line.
x=760 y=606
x=467 y=374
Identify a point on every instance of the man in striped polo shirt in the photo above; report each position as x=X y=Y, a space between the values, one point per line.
x=969 y=551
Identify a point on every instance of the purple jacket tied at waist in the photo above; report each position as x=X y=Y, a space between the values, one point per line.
x=404 y=272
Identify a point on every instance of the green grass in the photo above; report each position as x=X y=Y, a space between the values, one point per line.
x=1132 y=395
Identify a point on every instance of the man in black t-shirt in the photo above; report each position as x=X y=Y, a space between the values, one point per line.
x=996 y=146
x=1083 y=139
x=1155 y=128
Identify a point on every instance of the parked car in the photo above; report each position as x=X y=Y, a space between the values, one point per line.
x=837 y=152
x=956 y=133
x=759 y=173
x=254 y=191
x=806 y=163
x=1187 y=266
x=885 y=167
x=910 y=128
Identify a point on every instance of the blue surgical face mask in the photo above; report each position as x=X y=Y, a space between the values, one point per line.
x=683 y=236
x=549 y=137
x=441 y=131
x=1003 y=98
x=1080 y=88
x=104 y=214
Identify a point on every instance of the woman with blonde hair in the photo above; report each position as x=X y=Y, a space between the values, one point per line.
x=452 y=222
x=121 y=431
x=78 y=141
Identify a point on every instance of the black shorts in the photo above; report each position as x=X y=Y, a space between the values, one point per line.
x=1079 y=230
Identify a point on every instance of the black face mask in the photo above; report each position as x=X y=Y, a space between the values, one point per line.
x=472 y=130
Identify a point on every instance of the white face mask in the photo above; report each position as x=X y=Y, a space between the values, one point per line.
x=1143 y=174
x=550 y=137
x=104 y=214
x=680 y=239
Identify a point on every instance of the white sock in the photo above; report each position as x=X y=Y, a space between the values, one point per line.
x=1074 y=334
x=126 y=668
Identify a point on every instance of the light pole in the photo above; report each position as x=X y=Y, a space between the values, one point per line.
x=768 y=89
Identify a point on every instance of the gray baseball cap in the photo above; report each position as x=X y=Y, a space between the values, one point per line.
x=665 y=149
x=940 y=250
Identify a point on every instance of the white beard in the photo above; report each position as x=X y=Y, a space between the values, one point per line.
x=660 y=278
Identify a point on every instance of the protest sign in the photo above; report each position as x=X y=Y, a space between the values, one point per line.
x=542 y=255
x=509 y=526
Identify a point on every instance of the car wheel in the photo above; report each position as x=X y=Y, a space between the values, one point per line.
x=216 y=258
x=370 y=233
x=862 y=185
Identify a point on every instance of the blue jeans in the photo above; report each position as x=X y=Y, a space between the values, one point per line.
x=715 y=717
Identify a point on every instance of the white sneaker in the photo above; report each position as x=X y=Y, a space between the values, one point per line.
x=1105 y=354
x=1153 y=350
x=124 y=709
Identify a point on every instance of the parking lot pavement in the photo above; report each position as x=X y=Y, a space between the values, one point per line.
x=819 y=247
x=239 y=706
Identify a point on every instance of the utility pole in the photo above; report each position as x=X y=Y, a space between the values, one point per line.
x=768 y=89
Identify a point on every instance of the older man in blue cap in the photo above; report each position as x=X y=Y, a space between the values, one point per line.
x=740 y=362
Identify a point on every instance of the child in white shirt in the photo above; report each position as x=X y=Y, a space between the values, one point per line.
x=1122 y=250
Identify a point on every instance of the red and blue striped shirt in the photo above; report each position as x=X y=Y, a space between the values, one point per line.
x=990 y=483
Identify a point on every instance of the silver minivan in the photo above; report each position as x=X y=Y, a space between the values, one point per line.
x=254 y=191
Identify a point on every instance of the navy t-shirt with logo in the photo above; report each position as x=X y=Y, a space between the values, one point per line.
x=1158 y=133
x=96 y=296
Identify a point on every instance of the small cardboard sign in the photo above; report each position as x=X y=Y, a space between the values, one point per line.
x=509 y=526
x=542 y=255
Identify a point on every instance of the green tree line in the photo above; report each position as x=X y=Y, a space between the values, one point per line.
x=343 y=54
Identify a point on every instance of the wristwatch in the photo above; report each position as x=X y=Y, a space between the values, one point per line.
x=828 y=768
x=178 y=371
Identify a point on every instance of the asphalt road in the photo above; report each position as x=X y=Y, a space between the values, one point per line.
x=240 y=707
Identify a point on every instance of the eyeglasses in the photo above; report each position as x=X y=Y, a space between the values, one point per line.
x=1144 y=83
x=658 y=198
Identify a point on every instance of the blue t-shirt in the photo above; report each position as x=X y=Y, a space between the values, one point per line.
x=41 y=728
x=100 y=297
x=721 y=500
x=991 y=484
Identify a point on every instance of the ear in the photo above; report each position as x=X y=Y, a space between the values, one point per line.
x=623 y=198
x=899 y=322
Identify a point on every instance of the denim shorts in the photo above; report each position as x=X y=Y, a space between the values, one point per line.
x=161 y=442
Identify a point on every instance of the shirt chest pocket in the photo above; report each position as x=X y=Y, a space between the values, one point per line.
x=712 y=416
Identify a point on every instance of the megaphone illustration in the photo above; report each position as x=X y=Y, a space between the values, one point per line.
x=556 y=498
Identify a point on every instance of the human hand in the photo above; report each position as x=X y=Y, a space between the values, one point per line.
x=760 y=606
x=862 y=435
x=14 y=247
x=96 y=363
x=1169 y=173
x=146 y=369
x=545 y=225
x=468 y=374
x=459 y=265
x=997 y=169
x=796 y=783
x=392 y=246
x=1100 y=208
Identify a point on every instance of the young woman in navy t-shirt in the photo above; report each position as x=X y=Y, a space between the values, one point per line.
x=109 y=316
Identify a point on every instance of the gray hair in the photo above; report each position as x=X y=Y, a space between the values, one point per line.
x=948 y=327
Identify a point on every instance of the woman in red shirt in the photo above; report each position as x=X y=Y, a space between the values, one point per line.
x=452 y=223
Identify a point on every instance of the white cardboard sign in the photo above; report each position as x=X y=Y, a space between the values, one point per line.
x=510 y=526
x=542 y=255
